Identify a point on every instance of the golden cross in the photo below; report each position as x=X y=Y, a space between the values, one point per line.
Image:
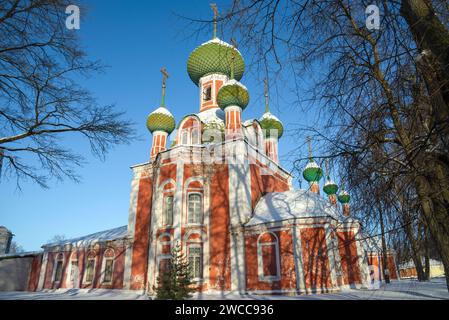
x=309 y=142
x=215 y=9
x=265 y=90
x=327 y=168
x=165 y=75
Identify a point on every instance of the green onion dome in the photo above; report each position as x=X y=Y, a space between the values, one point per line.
x=330 y=187
x=312 y=172
x=268 y=122
x=161 y=120
x=343 y=197
x=214 y=56
x=233 y=93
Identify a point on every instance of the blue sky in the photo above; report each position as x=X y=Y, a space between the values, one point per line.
x=135 y=39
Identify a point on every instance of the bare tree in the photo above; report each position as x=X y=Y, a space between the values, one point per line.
x=41 y=101
x=380 y=95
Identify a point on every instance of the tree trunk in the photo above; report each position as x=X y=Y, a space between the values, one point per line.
x=416 y=257
x=437 y=220
x=430 y=35
x=426 y=254
x=385 y=269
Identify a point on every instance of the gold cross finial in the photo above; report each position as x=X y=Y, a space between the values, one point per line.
x=265 y=90
x=309 y=142
x=327 y=168
x=165 y=75
x=215 y=9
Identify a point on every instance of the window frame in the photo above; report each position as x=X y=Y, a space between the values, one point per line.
x=164 y=210
x=207 y=93
x=260 y=260
x=58 y=259
x=196 y=245
x=86 y=280
x=201 y=209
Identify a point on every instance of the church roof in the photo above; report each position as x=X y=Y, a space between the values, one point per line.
x=295 y=204
x=106 y=235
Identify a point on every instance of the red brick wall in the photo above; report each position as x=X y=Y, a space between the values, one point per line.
x=141 y=234
x=347 y=248
x=287 y=280
x=219 y=241
x=261 y=184
x=33 y=280
x=316 y=267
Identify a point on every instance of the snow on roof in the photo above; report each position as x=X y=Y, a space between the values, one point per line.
x=19 y=254
x=295 y=204
x=162 y=110
x=269 y=115
x=212 y=115
x=248 y=122
x=107 y=235
x=232 y=82
x=219 y=41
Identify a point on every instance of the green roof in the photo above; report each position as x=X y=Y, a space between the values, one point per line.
x=214 y=56
x=312 y=172
x=269 y=122
x=330 y=187
x=344 y=197
x=233 y=93
x=161 y=120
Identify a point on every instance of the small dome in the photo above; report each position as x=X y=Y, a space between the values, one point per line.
x=233 y=93
x=268 y=122
x=161 y=120
x=214 y=56
x=312 y=172
x=330 y=187
x=344 y=197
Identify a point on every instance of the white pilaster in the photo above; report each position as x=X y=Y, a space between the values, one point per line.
x=131 y=229
x=297 y=251
x=330 y=244
x=43 y=271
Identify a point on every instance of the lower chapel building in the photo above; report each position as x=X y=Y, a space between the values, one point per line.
x=220 y=193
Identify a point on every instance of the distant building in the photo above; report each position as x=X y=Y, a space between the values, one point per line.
x=408 y=269
x=5 y=240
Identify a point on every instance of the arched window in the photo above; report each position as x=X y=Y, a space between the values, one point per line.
x=90 y=268
x=168 y=210
x=195 y=136
x=108 y=266
x=194 y=254
x=268 y=257
x=59 y=261
x=185 y=136
x=73 y=278
x=195 y=208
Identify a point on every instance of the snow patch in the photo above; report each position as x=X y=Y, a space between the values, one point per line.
x=295 y=204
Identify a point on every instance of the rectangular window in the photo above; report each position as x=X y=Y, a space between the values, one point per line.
x=195 y=264
x=194 y=208
x=168 y=210
x=207 y=93
x=58 y=272
x=73 y=269
x=90 y=270
x=108 y=270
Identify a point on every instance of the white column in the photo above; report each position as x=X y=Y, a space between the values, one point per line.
x=177 y=202
x=131 y=229
x=299 y=264
x=43 y=271
x=238 y=268
x=330 y=244
x=361 y=257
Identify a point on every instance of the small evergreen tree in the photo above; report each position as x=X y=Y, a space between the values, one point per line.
x=175 y=282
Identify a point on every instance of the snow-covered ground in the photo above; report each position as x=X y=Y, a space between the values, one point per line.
x=404 y=289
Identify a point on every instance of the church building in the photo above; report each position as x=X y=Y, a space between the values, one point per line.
x=220 y=193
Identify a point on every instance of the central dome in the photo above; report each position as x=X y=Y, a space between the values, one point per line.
x=214 y=56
